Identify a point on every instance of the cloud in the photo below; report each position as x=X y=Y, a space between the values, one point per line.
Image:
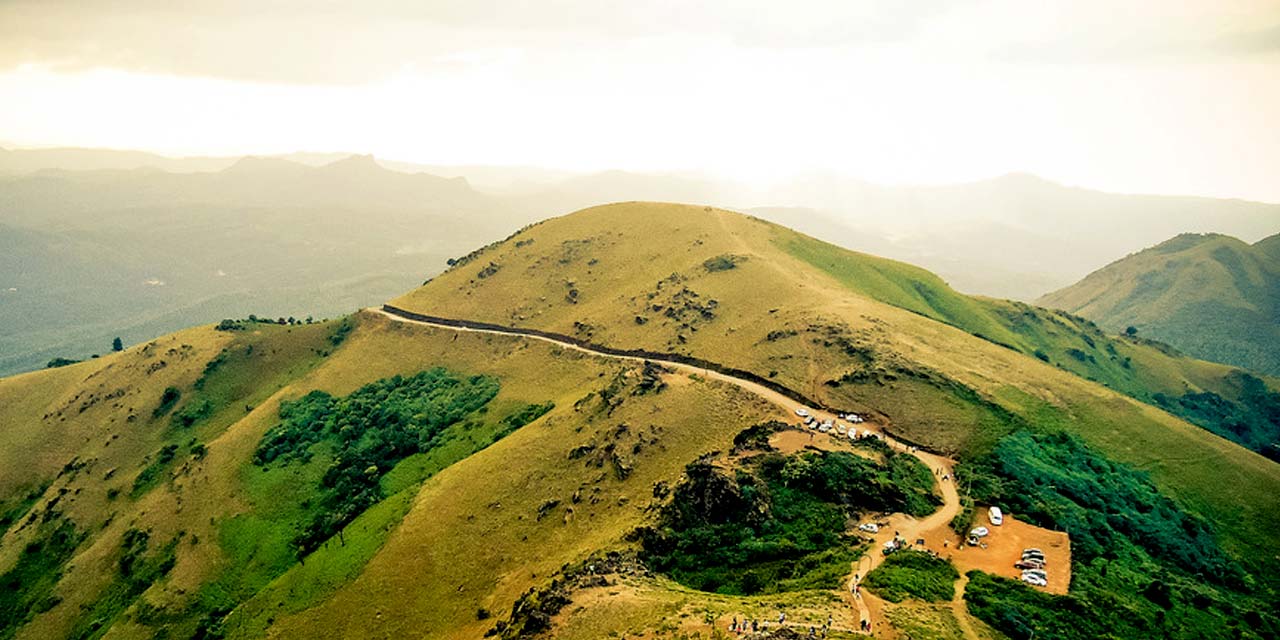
x=297 y=42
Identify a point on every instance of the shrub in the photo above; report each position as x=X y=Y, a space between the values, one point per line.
x=914 y=574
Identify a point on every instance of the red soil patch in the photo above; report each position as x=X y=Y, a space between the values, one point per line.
x=1004 y=548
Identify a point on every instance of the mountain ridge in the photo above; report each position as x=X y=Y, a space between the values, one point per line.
x=1211 y=295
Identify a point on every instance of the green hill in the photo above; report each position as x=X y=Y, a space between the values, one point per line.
x=1211 y=296
x=365 y=476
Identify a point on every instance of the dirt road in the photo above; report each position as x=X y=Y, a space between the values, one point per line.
x=907 y=527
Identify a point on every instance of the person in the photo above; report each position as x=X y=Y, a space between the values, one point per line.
x=755 y=626
x=733 y=626
x=782 y=617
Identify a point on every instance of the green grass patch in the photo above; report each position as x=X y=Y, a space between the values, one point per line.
x=27 y=588
x=138 y=567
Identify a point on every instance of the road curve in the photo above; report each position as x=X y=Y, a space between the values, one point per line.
x=905 y=526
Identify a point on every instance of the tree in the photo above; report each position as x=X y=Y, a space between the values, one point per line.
x=117 y=344
x=1131 y=331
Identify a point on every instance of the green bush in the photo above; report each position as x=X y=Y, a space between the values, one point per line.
x=779 y=523
x=168 y=398
x=1141 y=567
x=371 y=431
x=914 y=574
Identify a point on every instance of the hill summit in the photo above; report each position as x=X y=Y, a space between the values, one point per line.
x=1210 y=295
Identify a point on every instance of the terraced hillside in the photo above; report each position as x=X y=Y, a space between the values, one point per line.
x=374 y=477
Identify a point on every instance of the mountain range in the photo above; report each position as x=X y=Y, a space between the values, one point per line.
x=590 y=429
x=104 y=244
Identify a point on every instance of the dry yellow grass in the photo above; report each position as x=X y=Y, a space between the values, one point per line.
x=616 y=256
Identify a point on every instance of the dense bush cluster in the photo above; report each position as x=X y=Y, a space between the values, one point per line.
x=1253 y=421
x=1056 y=480
x=779 y=523
x=914 y=574
x=371 y=430
x=1141 y=567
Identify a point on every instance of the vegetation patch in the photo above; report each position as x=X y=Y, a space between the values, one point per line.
x=27 y=587
x=914 y=574
x=1254 y=421
x=370 y=431
x=1141 y=567
x=168 y=399
x=778 y=524
x=138 y=567
x=723 y=262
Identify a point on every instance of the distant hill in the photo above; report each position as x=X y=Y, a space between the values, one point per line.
x=91 y=255
x=1013 y=236
x=1210 y=295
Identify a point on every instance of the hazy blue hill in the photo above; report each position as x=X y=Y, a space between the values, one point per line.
x=140 y=252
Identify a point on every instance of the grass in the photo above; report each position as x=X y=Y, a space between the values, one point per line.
x=836 y=313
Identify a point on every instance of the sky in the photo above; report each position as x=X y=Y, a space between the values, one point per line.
x=1153 y=96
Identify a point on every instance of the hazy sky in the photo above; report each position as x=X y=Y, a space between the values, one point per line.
x=1165 y=96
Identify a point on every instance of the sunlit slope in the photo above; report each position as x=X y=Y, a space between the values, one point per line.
x=1211 y=296
x=859 y=332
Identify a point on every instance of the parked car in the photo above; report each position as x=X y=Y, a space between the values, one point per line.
x=1035 y=581
x=802 y=412
x=1036 y=573
x=980 y=532
x=869 y=527
x=995 y=515
x=1029 y=563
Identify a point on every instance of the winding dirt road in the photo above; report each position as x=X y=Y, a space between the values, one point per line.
x=868 y=606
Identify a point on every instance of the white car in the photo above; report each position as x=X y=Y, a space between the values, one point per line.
x=802 y=412
x=996 y=516
x=980 y=532
x=841 y=429
x=869 y=527
x=1035 y=581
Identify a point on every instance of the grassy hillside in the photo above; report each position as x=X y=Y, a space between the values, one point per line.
x=1211 y=296
x=851 y=330
x=182 y=527
x=365 y=476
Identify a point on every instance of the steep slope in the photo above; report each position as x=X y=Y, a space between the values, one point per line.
x=1211 y=296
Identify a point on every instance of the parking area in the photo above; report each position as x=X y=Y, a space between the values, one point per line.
x=1004 y=547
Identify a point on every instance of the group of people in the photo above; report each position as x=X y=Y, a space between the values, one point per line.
x=753 y=626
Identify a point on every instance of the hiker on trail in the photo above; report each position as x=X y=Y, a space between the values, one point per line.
x=782 y=617
x=755 y=626
x=733 y=626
